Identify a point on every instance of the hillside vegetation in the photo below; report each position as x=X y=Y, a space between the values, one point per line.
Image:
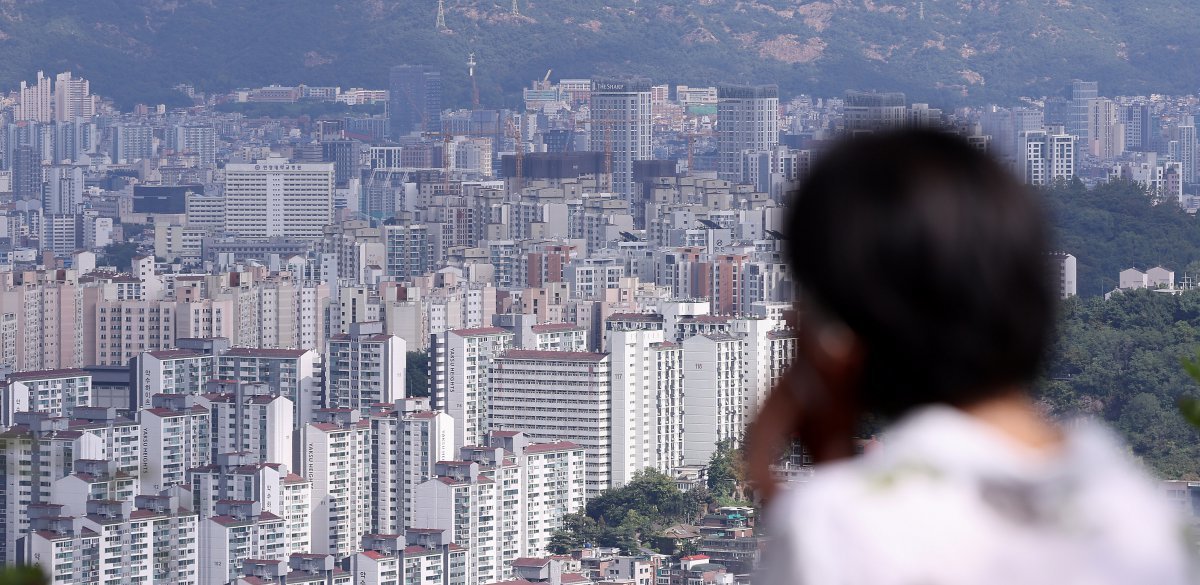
x=941 y=51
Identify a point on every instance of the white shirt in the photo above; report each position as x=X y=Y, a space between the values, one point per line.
x=950 y=501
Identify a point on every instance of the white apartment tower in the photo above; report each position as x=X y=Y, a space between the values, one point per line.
x=72 y=98
x=406 y=444
x=337 y=460
x=621 y=125
x=558 y=396
x=647 y=402
x=35 y=102
x=364 y=367
x=747 y=120
x=275 y=197
x=715 y=402
x=237 y=476
x=176 y=435
x=239 y=531
x=293 y=373
x=459 y=385
x=114 y=543
x=252 y=419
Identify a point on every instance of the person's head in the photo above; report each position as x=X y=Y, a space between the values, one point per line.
x=935 y=260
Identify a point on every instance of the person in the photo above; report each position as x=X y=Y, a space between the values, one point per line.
x=926 y=303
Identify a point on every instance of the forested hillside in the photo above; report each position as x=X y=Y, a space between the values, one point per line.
x=1121 y=359
x=941 y=51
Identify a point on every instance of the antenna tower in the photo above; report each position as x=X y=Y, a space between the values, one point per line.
x=474 y=87
x=515 y=9
x=922 y=11
x=441 y=16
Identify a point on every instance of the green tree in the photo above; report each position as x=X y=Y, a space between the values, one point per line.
x=724 y=470
x=119 y=254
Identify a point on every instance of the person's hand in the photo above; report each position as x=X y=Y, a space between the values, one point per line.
x=814 y=401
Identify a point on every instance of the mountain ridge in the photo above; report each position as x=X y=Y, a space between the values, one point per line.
x=946 y=52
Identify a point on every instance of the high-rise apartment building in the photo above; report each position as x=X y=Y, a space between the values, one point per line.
x=239 y=531
x=72 y=98
x=459 y=383
x=715 y=400
x=53 y=392
x=413 y=556
x=236 y=476
x=621 y=127
x=35 y=102
x=132 y=142
x=275 y=197
x=874 y=111
x=407 y=248
x=337 y=460
x=253 y=419
x=149 y=540
x=293 y=373
x=647 y=402
x=364 y=367
x=198 y=141
x=415 y=100
x=1046 y=156
x=406 y=443
x=747 y=120
x=559 y=396
x=176 y=436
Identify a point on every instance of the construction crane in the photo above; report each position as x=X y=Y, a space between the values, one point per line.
x=474 y=87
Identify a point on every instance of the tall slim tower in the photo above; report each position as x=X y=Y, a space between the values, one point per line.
x=441 y=15
x=747 y=119
x=621 y=124
x=415 y=100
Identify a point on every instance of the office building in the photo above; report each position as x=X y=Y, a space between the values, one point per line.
x=277 y=198
x=867 y=111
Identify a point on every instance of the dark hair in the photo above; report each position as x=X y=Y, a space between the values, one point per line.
x=935 y=256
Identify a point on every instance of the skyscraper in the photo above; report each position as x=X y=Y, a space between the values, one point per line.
x=415 y=100
x=1185 y=149
x=747 y=119
x=621 y=127
x=1083 y=93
